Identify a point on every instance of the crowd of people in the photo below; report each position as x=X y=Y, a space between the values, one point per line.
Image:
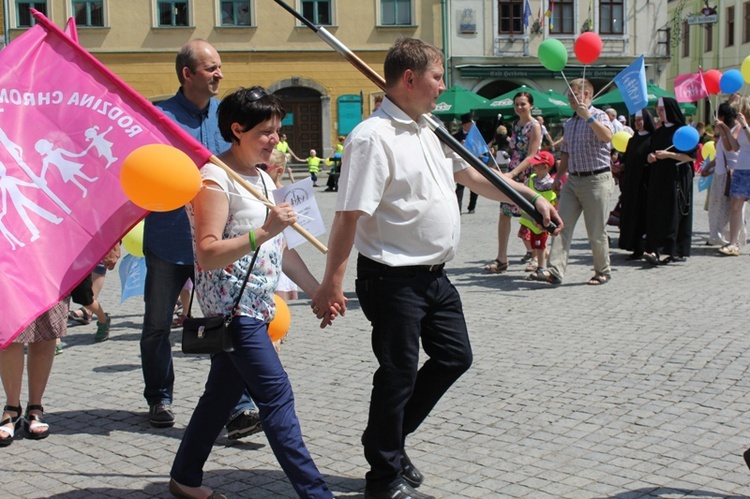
x=654 y=209
x=232 y=250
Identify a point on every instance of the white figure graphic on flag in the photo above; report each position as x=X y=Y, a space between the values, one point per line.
x=69 y=170
x=16 y=153
x=10 y=188
x=103 y=146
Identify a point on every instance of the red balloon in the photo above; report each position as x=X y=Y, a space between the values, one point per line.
x=588 y=47
x=712 y=77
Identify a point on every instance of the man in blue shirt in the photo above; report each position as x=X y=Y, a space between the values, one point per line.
x=167 y=242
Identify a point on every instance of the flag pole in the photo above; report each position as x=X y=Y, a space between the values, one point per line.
x=432 y=122
x=605 y=87
x=255 y=192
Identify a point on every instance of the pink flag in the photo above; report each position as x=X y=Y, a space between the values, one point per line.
x=690 y=87
x=66 y=125
x=70 y=29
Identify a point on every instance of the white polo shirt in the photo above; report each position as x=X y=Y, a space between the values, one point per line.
x=398 y=173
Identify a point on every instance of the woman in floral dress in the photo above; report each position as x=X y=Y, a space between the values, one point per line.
x=525 y=142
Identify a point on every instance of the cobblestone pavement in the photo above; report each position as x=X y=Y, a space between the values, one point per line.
x=638 y=388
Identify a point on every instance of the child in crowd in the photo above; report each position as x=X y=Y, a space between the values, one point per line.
x=541 y=182
x=286 y=289
x=313 y=166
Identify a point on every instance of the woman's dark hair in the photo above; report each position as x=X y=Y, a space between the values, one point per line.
x=728 y=112
x=528 y=96
x=248 y=107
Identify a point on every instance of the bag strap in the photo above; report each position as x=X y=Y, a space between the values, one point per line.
x=247 y=274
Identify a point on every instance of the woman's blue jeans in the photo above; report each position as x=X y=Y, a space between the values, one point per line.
x=253 y=364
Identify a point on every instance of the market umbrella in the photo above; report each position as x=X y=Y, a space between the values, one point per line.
x=614 y=99
x=544 y=105
x=457 y=101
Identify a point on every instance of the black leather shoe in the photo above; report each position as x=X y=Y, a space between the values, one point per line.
x=399 y=491
x=409 y=472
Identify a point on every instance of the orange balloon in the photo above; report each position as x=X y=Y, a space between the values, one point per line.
x=279 y=326
x=158 y=177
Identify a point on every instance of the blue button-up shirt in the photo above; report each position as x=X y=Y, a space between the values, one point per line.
x=167 y=234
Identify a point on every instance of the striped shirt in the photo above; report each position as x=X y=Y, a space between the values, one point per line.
x=586 y=153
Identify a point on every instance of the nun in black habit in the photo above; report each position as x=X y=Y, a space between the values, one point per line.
x=634 y=185
x=669 y=225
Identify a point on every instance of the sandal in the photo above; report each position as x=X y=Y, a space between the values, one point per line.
x=652 y=258
x=34 y=422
x=496 y=267
x=532 y=266
x=544 y=276
x=83 y=318
x=528 y=256
x=16 y=422
x=730 y=250
x=599 y=279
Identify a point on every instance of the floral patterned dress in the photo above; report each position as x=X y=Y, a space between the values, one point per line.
x=519 y=143
x=217 y=289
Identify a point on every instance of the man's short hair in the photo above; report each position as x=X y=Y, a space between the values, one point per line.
x=409 y=53
x=187 y=58
x=580 y=84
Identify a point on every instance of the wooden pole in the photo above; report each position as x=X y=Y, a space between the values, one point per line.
x=255 y=192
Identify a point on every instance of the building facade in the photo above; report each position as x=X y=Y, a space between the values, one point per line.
x=708 y=35
x=494 y=43
x=259 y=43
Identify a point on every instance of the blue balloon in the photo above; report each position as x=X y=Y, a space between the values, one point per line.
x=685 y=138
x=731 y=81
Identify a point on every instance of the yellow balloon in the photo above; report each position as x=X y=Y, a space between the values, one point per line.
x=620 y=140
x=133 y=240
x=279 y=326
x=709 y=150
x=745 y=69
x=158 y=177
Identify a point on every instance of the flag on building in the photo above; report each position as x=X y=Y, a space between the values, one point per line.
x=526 y=14
x=631 y=82
x=690 y=87
x=67 y=125
x=550 y=15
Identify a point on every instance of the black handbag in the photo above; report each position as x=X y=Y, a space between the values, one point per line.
x=211 y=334
x=207 y=335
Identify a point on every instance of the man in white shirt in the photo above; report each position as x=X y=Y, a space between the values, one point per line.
x=397 y=206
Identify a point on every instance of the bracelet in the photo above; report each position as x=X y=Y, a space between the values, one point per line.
x=746 y=127
x=253 y=246
x=536 y=196
x=590 y=120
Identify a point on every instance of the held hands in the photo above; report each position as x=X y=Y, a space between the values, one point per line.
x=328 y=303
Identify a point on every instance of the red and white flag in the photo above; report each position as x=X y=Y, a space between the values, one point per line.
x=66 y=125
x=690 y=87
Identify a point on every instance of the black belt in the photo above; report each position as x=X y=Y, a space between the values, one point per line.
x=588 y=174
x=365 y=263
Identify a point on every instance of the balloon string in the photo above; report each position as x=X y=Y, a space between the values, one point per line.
x=584 y=74
x=571 y=90
x=251 y=198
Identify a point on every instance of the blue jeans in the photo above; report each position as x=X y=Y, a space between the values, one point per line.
x=406 y=305
x=164 y=280
x=254 y=365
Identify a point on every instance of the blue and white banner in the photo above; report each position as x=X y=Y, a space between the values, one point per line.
x=632 y=85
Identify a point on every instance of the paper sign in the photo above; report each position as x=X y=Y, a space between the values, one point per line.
x=301 y=196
